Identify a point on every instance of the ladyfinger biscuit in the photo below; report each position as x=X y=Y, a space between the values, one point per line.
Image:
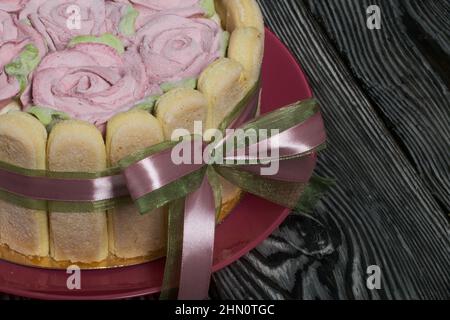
x=247 y=47
x=76 y=146
x=223 y=85
x=9 y=107
x=240 y=13
x=179 y=109
x=131 y=234
x=22 y=143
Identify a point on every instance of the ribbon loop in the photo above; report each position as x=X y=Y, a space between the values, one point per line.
x=276 y=167
x=293 y=142
x=158 y=171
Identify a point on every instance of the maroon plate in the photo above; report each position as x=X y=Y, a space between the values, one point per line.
x=252 y=221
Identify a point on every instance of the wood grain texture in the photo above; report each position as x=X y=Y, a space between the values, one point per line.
x=401 y=76
x=390 y=202
x=382 y=210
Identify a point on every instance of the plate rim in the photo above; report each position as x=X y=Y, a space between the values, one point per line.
x=216 y=267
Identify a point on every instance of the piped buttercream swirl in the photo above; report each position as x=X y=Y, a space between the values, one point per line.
x=15 y=36
x=149 y=8
x=174 y=48
x=12 y=5
x=58 y=21
x=90 y=82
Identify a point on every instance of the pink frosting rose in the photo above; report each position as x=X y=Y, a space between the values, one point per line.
x=12 y=5
x=14 y=37
x=90 y=82
x=58 y=21
x=175 y=48
x=148 y=8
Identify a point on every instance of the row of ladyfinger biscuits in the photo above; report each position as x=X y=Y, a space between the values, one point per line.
x=75 y=146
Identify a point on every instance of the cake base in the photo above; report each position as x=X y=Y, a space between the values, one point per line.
x=111 y=262
x=48 y=263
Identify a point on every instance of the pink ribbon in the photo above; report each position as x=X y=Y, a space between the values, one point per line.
x=59 y=189
x=199 y=219
x=157 y=171
x=198 y=244
x=295 y=141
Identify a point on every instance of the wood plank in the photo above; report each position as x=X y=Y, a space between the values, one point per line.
x=404 y=71
x=379 y=213
x=428 y=24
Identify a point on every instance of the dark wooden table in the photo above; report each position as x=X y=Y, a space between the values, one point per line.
x=386 y=102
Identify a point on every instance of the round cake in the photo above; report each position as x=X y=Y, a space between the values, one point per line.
x=86 y=83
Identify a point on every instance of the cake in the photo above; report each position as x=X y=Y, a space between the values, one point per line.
x=86 y=83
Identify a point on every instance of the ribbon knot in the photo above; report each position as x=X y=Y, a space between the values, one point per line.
x=158 y=179
x=191 y=189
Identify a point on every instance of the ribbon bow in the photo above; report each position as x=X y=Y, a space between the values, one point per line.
x=156 y=180
x=191 y=190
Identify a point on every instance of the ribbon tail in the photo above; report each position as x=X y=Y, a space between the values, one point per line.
x=172 y=267
x=198 y=243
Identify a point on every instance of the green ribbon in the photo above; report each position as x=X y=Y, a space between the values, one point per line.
x=173 y=195
x=283 y=193
x=61 y=206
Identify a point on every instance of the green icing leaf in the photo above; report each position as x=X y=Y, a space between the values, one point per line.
x=224 y=43
x=107 y=38
x=148 y=104
x=186 y=83
x=48 y=117
x=127 y=25
x=209 y=7
x=23 y=65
